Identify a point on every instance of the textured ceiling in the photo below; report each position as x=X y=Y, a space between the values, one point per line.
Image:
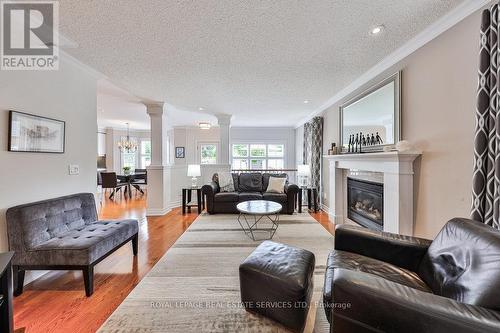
x=116 y=107
x=257 y=60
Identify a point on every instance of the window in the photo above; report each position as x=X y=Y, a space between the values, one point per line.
x=145 y=154
x=139 y=159
x=208 y=153
x=258 y=156
x=258 y=150
x=128 y=160
x=240 y=150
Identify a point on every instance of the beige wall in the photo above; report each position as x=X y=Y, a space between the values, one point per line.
x=68 y=94
x=439 y=91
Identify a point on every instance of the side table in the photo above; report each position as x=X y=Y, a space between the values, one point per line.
x=6 y=311
x=186 y=199
x=312 y=198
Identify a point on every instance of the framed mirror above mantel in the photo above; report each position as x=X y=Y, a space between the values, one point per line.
x=376 y=114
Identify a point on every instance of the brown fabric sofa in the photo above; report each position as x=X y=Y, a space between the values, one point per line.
x=248 y=186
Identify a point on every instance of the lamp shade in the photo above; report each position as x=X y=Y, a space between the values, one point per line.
x=303 y=170
x=194 y=170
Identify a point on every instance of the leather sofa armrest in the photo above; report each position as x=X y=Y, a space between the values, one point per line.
x=399 y=250
x=291 y=191
x=209 y=190
x=365 y=302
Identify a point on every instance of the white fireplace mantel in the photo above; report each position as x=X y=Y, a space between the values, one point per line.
x=397 y=169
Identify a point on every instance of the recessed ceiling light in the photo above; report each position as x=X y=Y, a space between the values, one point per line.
x=376 y=30
x=201 y=109
x=204 y=126
x=306 y=101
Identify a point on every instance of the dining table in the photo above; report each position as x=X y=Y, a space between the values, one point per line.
x=129 y=180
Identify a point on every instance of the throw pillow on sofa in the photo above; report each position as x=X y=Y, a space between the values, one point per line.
x=276 y=185
x=226 y=182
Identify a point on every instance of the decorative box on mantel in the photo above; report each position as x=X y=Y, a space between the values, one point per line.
x=397 y=170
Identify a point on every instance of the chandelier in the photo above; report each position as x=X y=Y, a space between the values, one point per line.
x=127 y=145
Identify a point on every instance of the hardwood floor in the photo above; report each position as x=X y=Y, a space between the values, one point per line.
x=324 y=220
x=56 y=301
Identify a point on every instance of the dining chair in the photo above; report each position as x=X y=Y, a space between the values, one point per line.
x=141 y=178
x=109 y=180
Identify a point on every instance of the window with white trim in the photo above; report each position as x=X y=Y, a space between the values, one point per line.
x=258 y=156
x=128 y=160
x=141 y=158
x=145 y=154
x=208 y=153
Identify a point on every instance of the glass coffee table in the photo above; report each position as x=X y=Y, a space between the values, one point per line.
x=252 y=212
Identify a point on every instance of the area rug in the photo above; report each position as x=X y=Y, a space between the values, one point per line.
x=195 y=286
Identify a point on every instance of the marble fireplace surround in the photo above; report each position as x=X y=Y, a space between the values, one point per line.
x=397 y=170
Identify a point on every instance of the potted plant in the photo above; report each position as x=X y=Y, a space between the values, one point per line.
x=126 y=170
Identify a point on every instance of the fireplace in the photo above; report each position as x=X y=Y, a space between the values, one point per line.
x=365 y=203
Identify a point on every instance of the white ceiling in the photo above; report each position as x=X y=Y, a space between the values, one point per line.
x=257 y=60
x=116 y=107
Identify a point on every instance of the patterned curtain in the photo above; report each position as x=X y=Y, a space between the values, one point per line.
x=486 y=175
x=313 y=149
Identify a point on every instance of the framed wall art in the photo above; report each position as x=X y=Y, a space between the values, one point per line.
x=35 y=134
x=179 y=152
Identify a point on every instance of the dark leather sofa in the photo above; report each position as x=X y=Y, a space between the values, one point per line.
x=382 y=282
x=248 y=186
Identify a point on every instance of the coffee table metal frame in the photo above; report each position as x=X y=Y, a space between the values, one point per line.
x=249 y=221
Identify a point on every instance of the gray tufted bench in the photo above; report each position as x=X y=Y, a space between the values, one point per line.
x=64 y=234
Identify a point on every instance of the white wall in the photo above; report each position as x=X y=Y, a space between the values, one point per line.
x=189 y=138
x=113 y=154
x=299 y=145
x=438 y=104
x=68 y=94
x=285 y=135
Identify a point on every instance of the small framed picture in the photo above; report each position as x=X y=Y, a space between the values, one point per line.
x=36 y=134
x=179 y=152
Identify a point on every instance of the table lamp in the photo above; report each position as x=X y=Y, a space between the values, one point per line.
x=303 y=172
x=194 y=171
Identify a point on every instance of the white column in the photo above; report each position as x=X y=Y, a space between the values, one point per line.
x=224 y=121
x=158 y=131
x=336 y=193
x=158 y=198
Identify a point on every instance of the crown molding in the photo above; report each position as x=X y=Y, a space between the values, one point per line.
x=124 y=129
x=65 y=56
x=425 y=36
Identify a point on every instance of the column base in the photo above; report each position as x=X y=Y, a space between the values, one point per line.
x=158 y=200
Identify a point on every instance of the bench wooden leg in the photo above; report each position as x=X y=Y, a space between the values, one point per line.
x=88 y=279
x=18 y=280
x=135 y=243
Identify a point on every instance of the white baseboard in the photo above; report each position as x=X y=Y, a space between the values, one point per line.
x=175 y=204
x=325 y=208
x=331 y=215
x=157 y=211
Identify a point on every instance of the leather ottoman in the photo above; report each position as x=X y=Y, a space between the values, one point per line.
x=276 y=282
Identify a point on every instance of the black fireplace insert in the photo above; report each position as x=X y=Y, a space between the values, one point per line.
x=365 y=203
